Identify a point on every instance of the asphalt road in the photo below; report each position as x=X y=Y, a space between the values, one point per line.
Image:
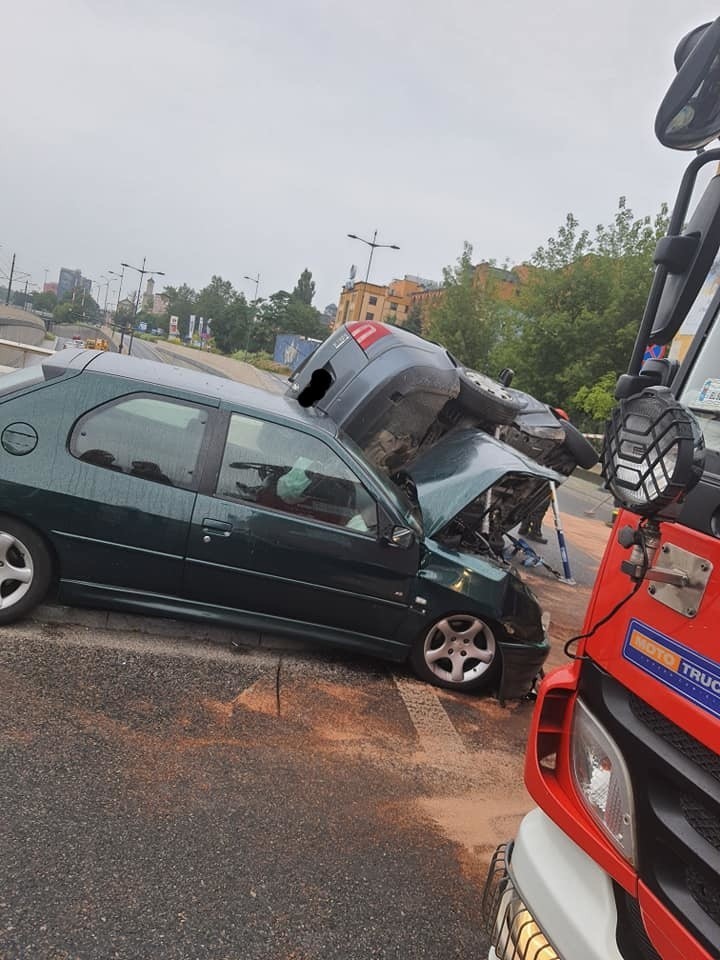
x=174 y=800
x=170 y=800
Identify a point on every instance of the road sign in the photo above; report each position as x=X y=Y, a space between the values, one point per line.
x=654 y=352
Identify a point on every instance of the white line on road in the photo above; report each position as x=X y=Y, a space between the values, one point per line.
x=438 y=737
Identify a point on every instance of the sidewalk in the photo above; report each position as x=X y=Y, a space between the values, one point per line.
x=236 y=370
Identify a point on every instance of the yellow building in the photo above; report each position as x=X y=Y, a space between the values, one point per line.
x=363 y=301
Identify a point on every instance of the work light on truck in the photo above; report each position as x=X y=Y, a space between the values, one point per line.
x=602 y=780
x=653 y=453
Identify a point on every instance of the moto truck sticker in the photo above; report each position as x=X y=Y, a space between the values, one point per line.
x=689 y=674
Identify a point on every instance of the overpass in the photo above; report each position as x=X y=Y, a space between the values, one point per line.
x=21 y=336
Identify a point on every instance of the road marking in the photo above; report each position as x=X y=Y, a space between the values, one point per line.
x=438 y=737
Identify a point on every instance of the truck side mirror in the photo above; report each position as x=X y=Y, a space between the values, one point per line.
x=689 y=115
x=687 y=258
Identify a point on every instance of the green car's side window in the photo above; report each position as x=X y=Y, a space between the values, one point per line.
x=284 y=469
x=143 y=436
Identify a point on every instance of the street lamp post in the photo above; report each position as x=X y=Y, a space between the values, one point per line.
x=100 y=285
x=256 y=281
x=9 y=286
x=143 y=273
x=21 y=275
x=121 y=275
x=373 y=247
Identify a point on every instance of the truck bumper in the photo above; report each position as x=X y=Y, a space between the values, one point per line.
x=545 y=899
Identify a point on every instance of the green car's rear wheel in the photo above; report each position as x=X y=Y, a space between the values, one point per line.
x=25 y=569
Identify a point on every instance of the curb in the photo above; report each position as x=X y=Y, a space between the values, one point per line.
x=90 y=619
x=591 y=476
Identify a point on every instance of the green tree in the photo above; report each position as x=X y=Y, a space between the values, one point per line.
x=464 y=317
x=45 y=301
x=305 y=288
x=228 y=310
x=598 y=400
x=413 y=320
x=580 y=308
x=180 y=303
x=78 y=307
x=230 y=327
x=214 y=298
x=285 y=313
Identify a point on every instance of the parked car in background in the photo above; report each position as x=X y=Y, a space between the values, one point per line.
x=135 y=486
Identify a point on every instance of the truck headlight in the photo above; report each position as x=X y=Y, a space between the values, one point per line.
x=653 y=454
x=602 y=780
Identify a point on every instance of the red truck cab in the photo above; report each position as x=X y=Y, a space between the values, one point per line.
x=621 y=858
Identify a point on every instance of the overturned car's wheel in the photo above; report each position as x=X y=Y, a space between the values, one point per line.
x=486 y=399
x=25 y=569
x=458 y=652
x=583 y=451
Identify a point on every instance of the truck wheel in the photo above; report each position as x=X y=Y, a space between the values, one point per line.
x=583 y=451
x=25 y=570
x=486 y=399
x=458 y=652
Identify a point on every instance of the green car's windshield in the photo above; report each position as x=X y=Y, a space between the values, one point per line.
x=410 y=511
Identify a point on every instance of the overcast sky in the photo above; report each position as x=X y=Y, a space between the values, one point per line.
x=238 y=137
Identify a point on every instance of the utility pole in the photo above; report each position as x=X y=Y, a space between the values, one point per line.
x=143 y=272
x=12 y=270
x=256 y=281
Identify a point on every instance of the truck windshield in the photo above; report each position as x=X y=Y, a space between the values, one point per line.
x=701 y=389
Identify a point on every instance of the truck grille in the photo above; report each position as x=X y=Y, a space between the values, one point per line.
x=675 y=737
x=676 y=784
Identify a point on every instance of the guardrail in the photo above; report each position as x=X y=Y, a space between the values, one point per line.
x=23 y=349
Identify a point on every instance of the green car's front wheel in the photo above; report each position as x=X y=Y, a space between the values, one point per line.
x=25 y=569
x=458 y=652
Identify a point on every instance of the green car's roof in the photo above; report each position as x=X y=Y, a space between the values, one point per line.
x=190 y=381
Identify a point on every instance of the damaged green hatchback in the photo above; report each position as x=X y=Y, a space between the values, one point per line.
x=136 y=486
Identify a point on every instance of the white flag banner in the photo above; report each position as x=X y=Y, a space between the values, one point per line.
x=191 y=325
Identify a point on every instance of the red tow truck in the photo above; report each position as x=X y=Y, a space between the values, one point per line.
x=621 y=858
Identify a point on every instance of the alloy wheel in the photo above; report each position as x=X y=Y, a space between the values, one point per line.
x=16 y=570
x=459 y=649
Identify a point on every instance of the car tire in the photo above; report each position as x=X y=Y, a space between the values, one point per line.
x=579 y=448
x=22 y=552
x=457 y=652
x=486 y=399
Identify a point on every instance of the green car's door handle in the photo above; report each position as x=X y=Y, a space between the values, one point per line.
x=217 y=528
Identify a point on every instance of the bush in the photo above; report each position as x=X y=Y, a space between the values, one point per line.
x=263 y=361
